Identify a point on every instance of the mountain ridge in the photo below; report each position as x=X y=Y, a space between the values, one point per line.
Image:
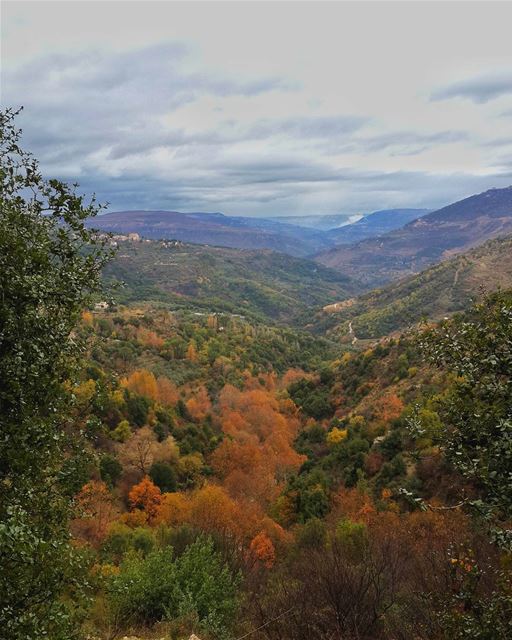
x=215 y=229
x=425 y=241
x=440 y=290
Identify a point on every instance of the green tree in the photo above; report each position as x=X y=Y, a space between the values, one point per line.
x=476 y=413
x=110 y=469
x=476 y=436
x=163 y=476
x=50 y=266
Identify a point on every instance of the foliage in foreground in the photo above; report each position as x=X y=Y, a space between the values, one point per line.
x=49 y=268
x=477 y=412
x=196 y=585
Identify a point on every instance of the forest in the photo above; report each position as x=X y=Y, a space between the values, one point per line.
x=170 y=467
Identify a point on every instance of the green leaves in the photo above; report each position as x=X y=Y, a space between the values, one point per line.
x=477 y=412
x=50 y=267
x=196 y=585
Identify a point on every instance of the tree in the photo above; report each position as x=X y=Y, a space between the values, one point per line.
x=145 y=496
x=122 y=432
x=143 y=383
x=163 y=476
x=476 y=413
x=389 y=408
x=476 y=437
x=167 y=392
x=138 y=452
x=335 y=436
x=50 y=267
x=110 y=469
x=197 y=586
x=263 y=549
x=199 y=404
x=96 y=505
x=335 y=592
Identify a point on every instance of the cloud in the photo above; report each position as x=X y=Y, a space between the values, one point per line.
x=158 y=128
x=232 y=132
x=479 y=89
x=410 y=142
x=121 y=97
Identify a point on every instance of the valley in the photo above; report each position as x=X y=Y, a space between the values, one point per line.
x=256 y=321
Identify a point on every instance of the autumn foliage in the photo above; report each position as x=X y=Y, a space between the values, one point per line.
x=258 y=451
x=146 y=496
x=143 y=383
x=263 y=549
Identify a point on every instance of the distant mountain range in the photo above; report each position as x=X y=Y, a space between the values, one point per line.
x=436 y=292
x=216 y=229
x=375 y=224
x=425 y=241
x=295 y=235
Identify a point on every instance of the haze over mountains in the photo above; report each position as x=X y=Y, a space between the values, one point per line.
x=375 y=224
x=322 y=222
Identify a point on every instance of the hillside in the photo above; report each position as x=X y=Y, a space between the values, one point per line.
x=259 y=284
x=428 y=240
x=216 y=229
x=434 y=293
x=375 y=224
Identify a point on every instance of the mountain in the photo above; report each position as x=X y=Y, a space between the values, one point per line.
x=322 y=223
x=434 y=293
x=262 y=284
x=425 y=241
x=375 y=224
x=216 y=229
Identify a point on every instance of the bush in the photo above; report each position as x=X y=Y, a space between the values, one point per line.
x=197 y=585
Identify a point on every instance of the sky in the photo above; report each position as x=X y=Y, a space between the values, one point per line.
x=264 y=108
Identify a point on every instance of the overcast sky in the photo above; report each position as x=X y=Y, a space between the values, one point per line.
x=265 y=108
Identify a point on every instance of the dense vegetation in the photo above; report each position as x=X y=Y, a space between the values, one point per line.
x=280 y=467
x=260 y=285
x=170 y=467
x=50 y=265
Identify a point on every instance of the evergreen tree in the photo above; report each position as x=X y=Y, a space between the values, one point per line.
x=50 y=265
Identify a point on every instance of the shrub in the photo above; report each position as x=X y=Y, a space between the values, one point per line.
x=161 y=587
